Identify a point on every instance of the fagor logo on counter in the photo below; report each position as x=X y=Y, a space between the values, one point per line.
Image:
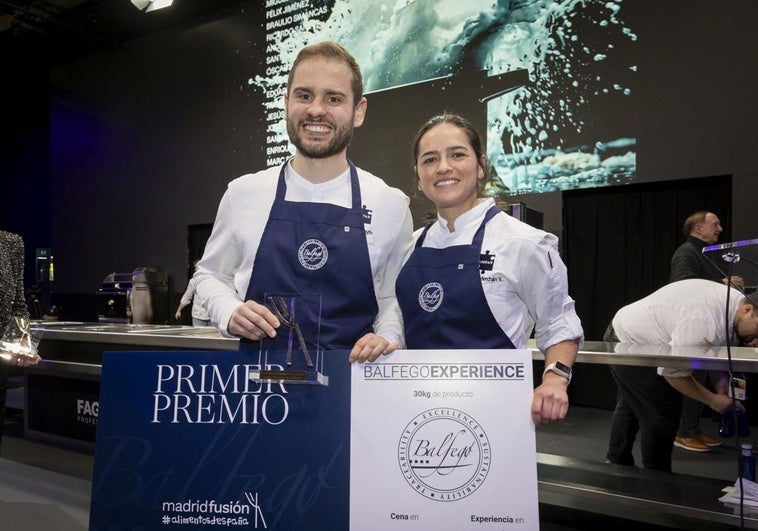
x=86 y=411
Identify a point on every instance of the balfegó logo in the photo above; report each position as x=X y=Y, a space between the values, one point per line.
x=312 y=254
x=444 y=454
x=430 y=296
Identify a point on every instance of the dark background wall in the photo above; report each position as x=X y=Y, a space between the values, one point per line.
x=109 y=158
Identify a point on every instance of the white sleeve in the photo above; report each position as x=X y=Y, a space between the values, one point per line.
x=215 y=287
x=694 y=331
x=676 y=373
x=389 y=320
x=188 y=293
x=690 y=331
x=545 y=291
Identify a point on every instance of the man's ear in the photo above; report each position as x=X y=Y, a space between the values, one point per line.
x=360 y=112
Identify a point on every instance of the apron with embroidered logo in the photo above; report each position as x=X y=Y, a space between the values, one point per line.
x=440 y=294
x=319 y=248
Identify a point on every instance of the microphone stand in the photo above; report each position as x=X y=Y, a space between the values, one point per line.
x=731 y=258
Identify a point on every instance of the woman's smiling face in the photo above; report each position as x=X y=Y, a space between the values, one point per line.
x=448 y=169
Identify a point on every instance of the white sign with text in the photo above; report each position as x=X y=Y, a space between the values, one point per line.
x=443 y=439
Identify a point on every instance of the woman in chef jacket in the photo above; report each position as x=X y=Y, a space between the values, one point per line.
x=477 y=277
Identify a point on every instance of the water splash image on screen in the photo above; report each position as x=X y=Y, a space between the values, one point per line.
x=552 y=134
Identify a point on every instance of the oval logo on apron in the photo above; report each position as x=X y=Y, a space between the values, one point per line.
x=430 y=296
x=312 y=254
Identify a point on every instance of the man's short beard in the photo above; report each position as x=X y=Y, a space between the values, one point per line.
x=341 y=140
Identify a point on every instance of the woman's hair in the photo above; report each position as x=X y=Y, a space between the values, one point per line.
x=471 y=133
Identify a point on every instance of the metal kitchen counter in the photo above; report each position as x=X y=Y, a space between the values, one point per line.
x=151 y=335
x=142 y=336
x=743 y=359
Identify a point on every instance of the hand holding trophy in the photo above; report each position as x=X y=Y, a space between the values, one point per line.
x=294 y=356
x=17 y=346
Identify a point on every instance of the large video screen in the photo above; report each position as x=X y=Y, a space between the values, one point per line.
x=550 y=83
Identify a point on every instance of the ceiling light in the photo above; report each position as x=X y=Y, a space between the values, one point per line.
x=151 y=5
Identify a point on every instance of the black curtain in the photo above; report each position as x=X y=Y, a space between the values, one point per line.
x=618 y=240
x=617 y=246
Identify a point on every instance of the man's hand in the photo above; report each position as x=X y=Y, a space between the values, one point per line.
x=370 y=347
x=252 y=321
x=20 y=360
x=723 y=403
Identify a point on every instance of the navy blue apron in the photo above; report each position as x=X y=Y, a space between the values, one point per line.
x=442 y=300
x=319 y=248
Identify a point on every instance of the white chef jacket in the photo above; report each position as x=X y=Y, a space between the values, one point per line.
x=688 y=312
x=198 y=312
x=528 y=286
x=225 y=269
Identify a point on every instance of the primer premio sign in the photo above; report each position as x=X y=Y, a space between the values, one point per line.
x=187 y=440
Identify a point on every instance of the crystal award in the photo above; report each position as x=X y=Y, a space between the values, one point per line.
x=17 y=345
x=294 y=355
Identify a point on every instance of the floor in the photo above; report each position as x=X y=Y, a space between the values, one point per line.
x=583 y=434
x=47 y=486
x=42 y=486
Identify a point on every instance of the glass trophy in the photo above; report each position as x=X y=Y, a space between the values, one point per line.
x=736 y=259
x=294 y=355
x=17 y=345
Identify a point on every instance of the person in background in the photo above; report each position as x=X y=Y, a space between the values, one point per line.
x=318 y=224
x=702 y=228
x=688 y=312
x=477 y=277
x=199 y=315
x=12 y=304
x=688 y=261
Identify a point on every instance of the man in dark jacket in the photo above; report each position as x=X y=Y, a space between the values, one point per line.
x=701 y=229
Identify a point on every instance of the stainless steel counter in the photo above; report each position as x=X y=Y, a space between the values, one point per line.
x=150 y=335
x=743 y=359
x=593 y=352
